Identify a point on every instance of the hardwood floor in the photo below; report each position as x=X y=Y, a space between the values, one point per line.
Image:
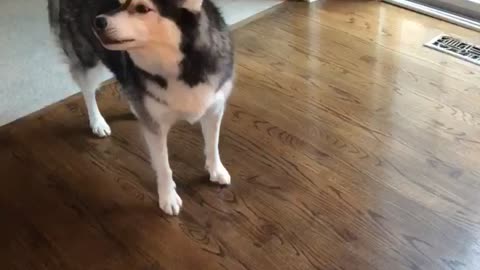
x=350 y=145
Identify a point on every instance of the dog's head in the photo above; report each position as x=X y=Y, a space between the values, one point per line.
x=143 y=23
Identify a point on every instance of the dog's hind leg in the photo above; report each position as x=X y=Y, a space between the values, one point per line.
x=89 y=80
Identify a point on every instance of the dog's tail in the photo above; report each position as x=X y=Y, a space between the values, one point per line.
x=54 y=14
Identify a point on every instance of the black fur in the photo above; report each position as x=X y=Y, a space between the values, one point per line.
x=154 y=78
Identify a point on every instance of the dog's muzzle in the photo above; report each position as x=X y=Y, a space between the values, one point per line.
x=100 y=25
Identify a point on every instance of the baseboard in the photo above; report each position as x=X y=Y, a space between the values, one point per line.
x=255 y=17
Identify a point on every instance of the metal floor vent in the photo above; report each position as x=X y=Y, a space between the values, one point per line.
x=456 y=47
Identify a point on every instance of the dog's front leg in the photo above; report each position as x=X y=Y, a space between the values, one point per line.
x=211 y=122
x=168 y=199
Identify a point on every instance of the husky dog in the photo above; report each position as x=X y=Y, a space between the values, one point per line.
x=173 y=60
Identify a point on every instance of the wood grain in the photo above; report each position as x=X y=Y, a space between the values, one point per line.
x=351 y=146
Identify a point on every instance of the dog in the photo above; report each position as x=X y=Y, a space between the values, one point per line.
x=173 y=59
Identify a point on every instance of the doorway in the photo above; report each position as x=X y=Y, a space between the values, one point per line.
x=462 y=12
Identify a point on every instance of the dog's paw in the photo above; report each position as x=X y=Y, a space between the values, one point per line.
x=100 y=127
x=170 y=202
x=220 y=175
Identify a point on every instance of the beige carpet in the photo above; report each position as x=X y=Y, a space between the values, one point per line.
x=32 y=75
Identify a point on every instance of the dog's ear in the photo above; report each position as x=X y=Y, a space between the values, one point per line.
x=193 y=5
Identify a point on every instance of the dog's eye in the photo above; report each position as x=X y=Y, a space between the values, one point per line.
x=142 y=9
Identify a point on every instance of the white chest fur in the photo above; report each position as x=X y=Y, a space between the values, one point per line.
x=182 y=102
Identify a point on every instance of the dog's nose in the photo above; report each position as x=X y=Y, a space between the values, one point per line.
x=101 y=23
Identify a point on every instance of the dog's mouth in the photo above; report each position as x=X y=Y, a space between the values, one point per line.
x=106 y=40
